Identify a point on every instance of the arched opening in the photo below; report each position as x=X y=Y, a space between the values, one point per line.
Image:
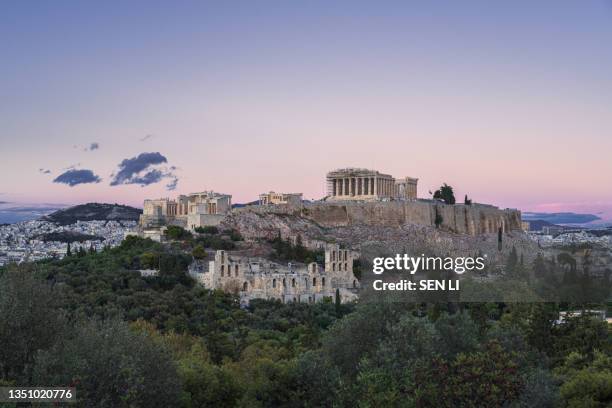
x=323 y=282
x=306 y=282
x=293 y=282
x=284 y=283
x=236 y=270
x=273 y=283
x=346 y=266
x=245 y=286
x=222 y=270
x=334 y=267
x=314 y=281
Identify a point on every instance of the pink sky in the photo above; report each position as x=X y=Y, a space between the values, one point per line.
x=509 y=103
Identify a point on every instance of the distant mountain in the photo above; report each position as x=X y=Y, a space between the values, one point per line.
x=240 y=205
x=94 y=212
x=17 y=212
x=560 y=218
x=537 y=225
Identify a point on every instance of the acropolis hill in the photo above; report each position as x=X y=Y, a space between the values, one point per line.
x=354 y=197
x=365 y=213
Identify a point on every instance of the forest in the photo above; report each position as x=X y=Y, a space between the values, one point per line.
x=91 y=321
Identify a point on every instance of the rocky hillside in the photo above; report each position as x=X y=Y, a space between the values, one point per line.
x=94 y=212
x=379 y=240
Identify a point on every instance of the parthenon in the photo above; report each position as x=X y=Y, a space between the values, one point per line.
x=364 y=184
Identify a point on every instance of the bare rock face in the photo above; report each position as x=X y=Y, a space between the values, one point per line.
x=462 y=219
x=376 y=229
x=254 y=225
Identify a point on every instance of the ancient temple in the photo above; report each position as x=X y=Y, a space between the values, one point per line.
x=369 y=185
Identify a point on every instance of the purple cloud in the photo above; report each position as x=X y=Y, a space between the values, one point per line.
x=75 y=177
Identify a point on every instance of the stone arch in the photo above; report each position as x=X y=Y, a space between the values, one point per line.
x=273 y=283
x=323 y=281
x=245 y=286
x=236 y=269
x=293 y=283
x=314 y=281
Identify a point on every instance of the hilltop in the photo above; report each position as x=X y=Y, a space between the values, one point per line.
x=94 y=212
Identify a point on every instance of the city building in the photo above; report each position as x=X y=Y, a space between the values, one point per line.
x=368 y=185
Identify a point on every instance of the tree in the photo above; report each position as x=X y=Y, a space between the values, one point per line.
x=445 y=193
x=149 y=260
x=199 y=252
x=512 y=263
x=30 y=321
x=337 y=301
x=68 y=252
x=209 y=229
x=438 y=219
x=177 y=233
x=111 y=366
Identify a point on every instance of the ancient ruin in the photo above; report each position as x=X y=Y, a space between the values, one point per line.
x=190 y=211
x=364 y=184
x=259 y=278
x=273 y=198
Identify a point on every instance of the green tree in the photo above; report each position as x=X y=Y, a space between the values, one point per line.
x=438 y=219
x=177 y=233
x=111 y=366
x=30 y=321
x=149 y=260
x=199 y=252
x=445 y=193
x=586 y=382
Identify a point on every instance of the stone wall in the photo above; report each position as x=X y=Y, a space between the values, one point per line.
x=463 y=219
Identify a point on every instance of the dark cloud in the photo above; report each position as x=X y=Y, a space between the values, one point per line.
x=92 y=146
x=44 y=171
x=144 y=169
x=172 y=183
x=75 y=177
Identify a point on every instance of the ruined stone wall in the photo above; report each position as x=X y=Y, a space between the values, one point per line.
x=463 y=219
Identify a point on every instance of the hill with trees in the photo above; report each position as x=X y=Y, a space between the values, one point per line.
x=94 y=212
x=93 y=322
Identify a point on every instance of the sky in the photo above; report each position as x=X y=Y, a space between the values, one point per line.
x=508 y=102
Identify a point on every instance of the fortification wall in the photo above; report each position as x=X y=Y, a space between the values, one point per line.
x=463 y=219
